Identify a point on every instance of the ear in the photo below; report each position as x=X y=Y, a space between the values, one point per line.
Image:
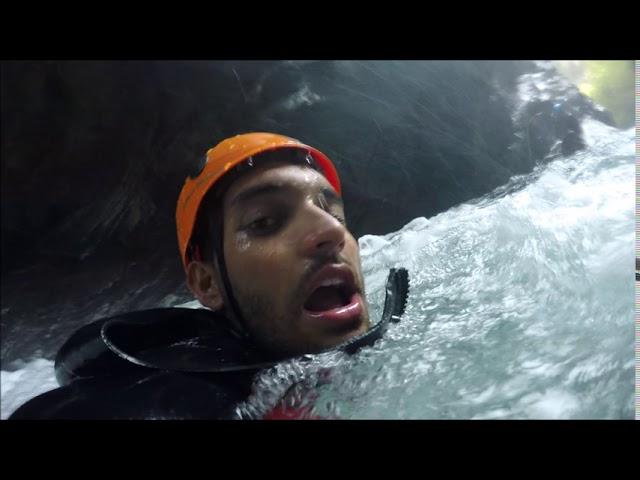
x=203 y=283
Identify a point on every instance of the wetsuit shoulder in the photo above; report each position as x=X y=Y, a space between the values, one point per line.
x=161 y=363
x=157 y=395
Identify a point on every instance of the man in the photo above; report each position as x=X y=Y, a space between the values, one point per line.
x=265 y=247
x=285 y=269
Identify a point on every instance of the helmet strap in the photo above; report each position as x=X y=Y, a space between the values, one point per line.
x=233 y=307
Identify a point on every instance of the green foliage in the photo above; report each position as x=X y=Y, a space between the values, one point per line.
x=610 y=83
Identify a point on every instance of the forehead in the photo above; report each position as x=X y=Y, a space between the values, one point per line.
x=278 y=174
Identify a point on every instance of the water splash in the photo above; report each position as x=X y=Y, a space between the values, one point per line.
x=521 y=305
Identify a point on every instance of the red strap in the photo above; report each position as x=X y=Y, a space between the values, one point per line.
x=290 y=413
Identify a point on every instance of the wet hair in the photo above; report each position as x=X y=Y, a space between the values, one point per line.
x=205 y=239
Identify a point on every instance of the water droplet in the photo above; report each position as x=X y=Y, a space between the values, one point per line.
x=242 y=241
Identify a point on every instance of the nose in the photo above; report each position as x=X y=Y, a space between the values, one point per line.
x=324 y=234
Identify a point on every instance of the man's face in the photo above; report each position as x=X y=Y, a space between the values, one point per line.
x=293 y=266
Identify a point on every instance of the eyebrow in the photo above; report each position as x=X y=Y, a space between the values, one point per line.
x=273 y=188
x=256 y=191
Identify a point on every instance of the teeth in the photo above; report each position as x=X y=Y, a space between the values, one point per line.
x=331 y=282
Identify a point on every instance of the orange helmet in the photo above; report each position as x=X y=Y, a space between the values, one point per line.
x=220 y=159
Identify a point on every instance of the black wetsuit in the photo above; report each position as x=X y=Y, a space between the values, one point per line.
x=171 y=363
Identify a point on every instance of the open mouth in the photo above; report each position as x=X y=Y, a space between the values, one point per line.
x=330 y=295
x=334 y=301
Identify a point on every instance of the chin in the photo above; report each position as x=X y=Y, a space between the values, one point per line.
x=345 y=333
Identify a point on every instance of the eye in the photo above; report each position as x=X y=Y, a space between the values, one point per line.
x=339 y=217
x=333 y=209
x=261 y=223
x=338 y=213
